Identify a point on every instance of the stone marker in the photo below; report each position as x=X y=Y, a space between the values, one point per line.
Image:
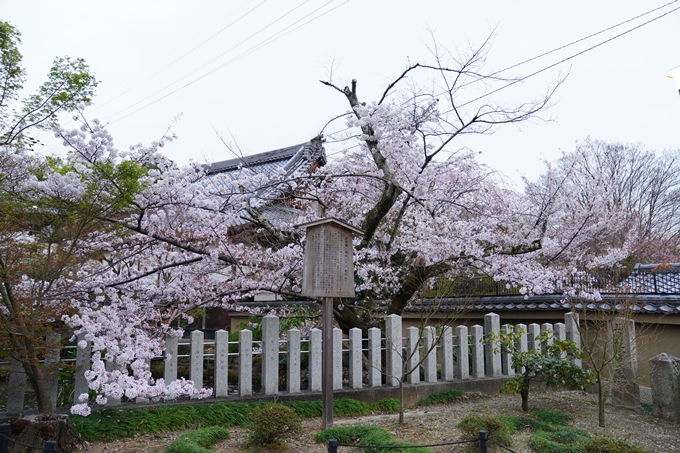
x=664 y=373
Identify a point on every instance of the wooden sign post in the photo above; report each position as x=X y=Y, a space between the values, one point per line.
x=328 y=273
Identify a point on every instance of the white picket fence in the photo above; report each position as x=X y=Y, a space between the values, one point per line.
x=474 y=358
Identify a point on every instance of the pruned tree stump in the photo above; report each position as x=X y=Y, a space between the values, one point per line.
x=35 y=430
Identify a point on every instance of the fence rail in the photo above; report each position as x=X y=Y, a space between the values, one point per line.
x=291 y=365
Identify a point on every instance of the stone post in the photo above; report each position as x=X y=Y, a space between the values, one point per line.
x=221 y=376
x=626 y=391
x=270 y=355
x=571 y=322
x=315 y=360
x=447 y=353
x=83 y=361
x=506 y=355
x=477 y=335
x=463 y=352
x=561 y=335
x=337 y=359
x=393 y=344
x=492 y=327
x=293 y=369
x=532 y=337
x=245 y=362
x=374 y=367
x=547 y=327
x=374 y=359
x=196 y=359
x=664 y=372
x=521 y=344
x=139 y=399
x=170 y=364
x=412 y=355
x=16 y=391
x=430 y=351
x=355 y=369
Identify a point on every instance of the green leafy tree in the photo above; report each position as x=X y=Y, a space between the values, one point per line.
x=551 y=365
x=40 y=235
x=69 y=83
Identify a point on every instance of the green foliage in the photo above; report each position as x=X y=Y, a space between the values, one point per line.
x=68 y=84
x=306 y=409
x=552 y=365
x=562 y=441
x=445 y=396
x=346 y=407
x=387 y=405
x=551 y=417
x=610 y=445
x=111 y=424
x=199 y=441
x=365 y=436
x=495 y=428
x=271 y=424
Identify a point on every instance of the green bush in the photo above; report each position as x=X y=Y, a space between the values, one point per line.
x=346 y=407
x=610 y=445
x=387 y=405
x=551 y=417
x=367 y=436
x=495 y=428
x=562 y=441
x=271 y=424
x=446 y=396
x=198 y=441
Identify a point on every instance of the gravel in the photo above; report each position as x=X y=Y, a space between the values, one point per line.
x=437 y=424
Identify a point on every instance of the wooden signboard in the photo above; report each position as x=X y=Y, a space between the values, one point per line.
x=328 y=266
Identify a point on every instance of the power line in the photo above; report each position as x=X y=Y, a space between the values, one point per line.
x=565 y=59
x=181 y=57
x=247 y=52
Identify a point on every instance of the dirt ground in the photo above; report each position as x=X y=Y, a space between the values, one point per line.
x=437 y=424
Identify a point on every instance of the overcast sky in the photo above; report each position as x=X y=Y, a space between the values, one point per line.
x=251 y=69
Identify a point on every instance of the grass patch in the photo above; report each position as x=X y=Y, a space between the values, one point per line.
x=387 y=406
x=199 y=441
x=563 y=441
x=610 y=445
x=367 y=436
x=446 y=396
x=495 y=428
x=111 y=424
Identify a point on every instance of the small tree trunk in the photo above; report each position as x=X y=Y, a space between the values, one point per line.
x=525 y=399
x=401 y=401
x=601 y=399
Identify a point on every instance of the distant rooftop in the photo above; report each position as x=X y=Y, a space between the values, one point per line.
x=301 y=158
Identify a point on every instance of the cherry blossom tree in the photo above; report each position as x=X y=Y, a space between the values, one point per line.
x=160 y=240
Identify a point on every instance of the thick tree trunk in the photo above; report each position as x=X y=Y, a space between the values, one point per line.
x=35 y=430
x=525 y=400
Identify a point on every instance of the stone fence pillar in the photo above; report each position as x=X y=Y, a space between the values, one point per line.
x=664 y=371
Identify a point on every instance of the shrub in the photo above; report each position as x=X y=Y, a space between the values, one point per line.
x=610 y=445
x=345 y=407
x=387 y=405
x=446 y=396
x=271 y=423
x=495 y=429
x=198 y=441
x=563 y=441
